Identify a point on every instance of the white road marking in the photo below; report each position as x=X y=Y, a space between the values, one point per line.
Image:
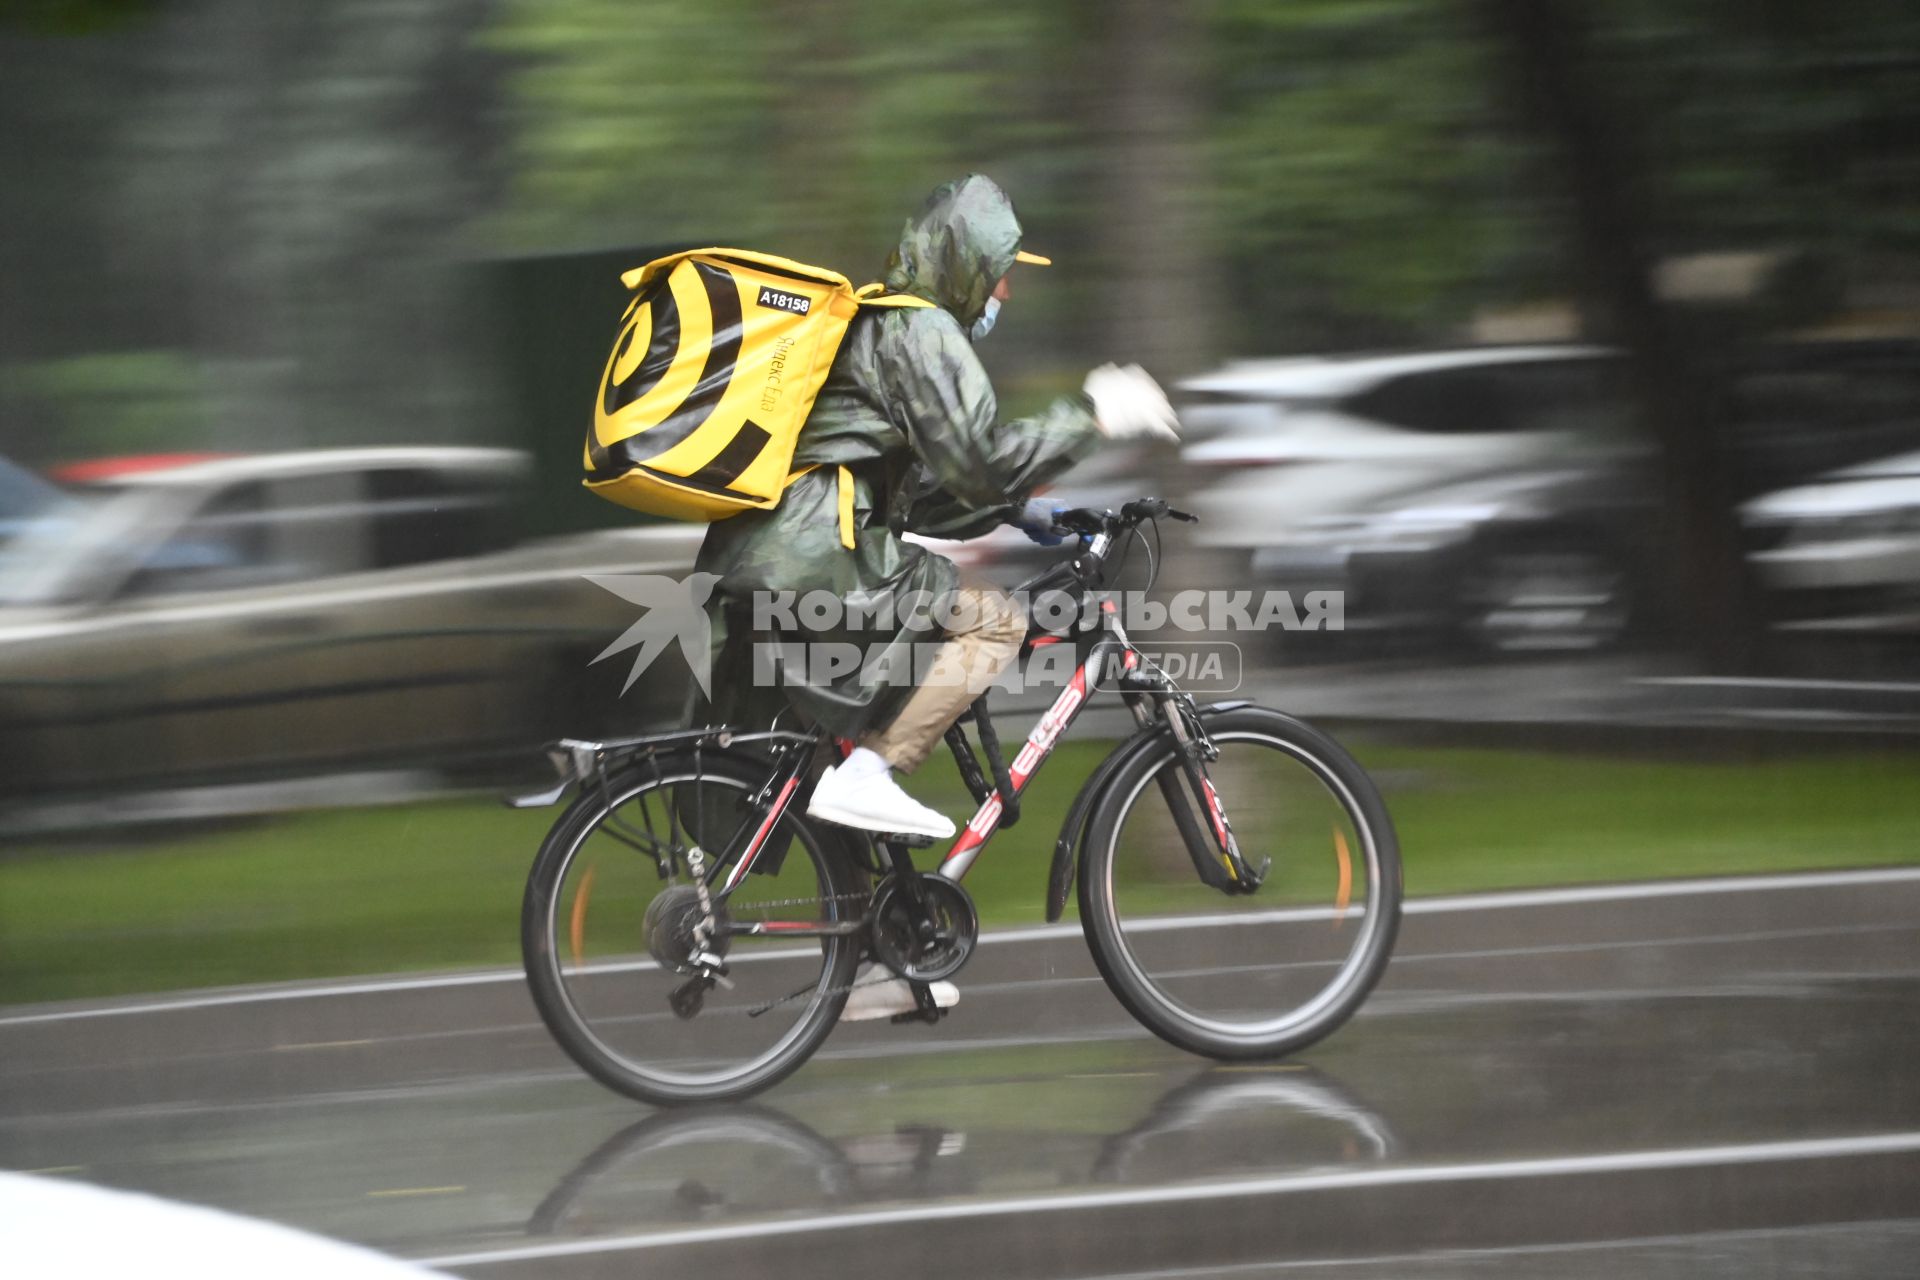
x=1693 y=1240
x=1282 y=1184
x=1780 y=682
x=1500 y=901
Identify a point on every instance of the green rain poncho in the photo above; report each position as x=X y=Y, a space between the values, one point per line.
x=909 y=411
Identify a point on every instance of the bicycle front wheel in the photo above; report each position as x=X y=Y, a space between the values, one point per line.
x=606 y=930
x=1244 y=975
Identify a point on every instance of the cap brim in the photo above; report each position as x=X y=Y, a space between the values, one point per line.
x=1032 y=259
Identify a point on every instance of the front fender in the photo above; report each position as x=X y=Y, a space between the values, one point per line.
x=1073 y=830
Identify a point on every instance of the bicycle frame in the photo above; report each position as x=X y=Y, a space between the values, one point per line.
x=1040 y=742
x=1111 y=645
x=794 y=753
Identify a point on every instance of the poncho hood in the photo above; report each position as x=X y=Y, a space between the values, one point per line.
x=955 y=249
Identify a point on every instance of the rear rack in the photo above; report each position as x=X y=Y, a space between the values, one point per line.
x=577 y=759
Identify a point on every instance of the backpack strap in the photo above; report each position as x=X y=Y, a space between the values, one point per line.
x=876 y=295
x=843 y=499
x=846 y=508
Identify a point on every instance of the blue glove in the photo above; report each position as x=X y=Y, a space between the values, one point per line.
x=1036 y=521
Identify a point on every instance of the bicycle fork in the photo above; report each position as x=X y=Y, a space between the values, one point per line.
x=1207 y=834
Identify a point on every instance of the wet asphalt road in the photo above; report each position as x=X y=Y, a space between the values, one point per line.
x=1715 y=1081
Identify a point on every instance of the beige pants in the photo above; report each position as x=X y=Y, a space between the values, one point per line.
x=983 y=641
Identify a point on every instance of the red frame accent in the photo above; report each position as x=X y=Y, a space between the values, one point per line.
x=1215 y=813
x=1040 y=743
x=745 y=862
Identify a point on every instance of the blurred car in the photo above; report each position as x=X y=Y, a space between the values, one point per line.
x=301 y=613
x=1802 y=409
x=1535 y=558
x=1489 y=492
x=1276 y=444
x=24 y=498
x=1843 y=552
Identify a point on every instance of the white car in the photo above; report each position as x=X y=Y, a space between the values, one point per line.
x=1843 y=553
x=1282 y=444
x=24 y=498
x=58 y=1229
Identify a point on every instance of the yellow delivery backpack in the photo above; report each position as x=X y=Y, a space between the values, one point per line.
x=718 y=360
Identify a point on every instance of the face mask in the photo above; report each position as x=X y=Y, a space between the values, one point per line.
x=984 y=325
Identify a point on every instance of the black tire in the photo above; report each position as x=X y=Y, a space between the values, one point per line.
x=638 y=988
x=1157 y=968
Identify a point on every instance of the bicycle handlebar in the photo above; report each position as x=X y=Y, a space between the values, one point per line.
x=1091 y=523
x=1097 y=530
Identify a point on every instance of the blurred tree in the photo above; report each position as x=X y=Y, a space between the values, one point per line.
x=105 y=404
x=1692 y=126
x=1160 y=306
x=71 y=17
x=811 y=129
x=634 y=121
x=1366 y=194
x=1558 y=91
x=286 y=191
x=299 y=185
x=815 y=135
x=1779 y=122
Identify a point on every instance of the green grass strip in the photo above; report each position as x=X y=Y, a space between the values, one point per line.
x=437 y=885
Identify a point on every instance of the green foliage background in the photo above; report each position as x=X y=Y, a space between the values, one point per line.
x=289 y=200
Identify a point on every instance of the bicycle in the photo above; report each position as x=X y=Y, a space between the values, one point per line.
x=727 y=926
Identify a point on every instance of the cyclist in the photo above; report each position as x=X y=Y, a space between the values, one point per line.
x=909 y=412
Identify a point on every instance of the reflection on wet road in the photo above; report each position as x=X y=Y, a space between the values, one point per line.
x=1677 y=1083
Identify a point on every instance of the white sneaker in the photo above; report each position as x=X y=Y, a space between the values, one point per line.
x=874 y=803
x=888 y=997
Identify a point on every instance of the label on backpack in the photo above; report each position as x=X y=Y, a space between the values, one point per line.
x=780 y=300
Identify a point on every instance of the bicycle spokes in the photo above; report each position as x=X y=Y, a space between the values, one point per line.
x=1272 y=928
x=672 y=977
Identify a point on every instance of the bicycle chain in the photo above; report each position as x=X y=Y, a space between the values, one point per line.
x=880 y=974
x=757 y=905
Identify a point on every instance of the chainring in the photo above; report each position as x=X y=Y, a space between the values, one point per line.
x=918 y=953
x=670 y=922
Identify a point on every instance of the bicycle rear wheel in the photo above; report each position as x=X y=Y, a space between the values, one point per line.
x=1245 y=975
x=606 y=929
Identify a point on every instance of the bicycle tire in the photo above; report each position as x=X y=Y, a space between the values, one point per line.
x=839 y=881
x=1114 y=944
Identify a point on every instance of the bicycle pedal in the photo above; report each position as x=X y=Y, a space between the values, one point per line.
x=928 y=1016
